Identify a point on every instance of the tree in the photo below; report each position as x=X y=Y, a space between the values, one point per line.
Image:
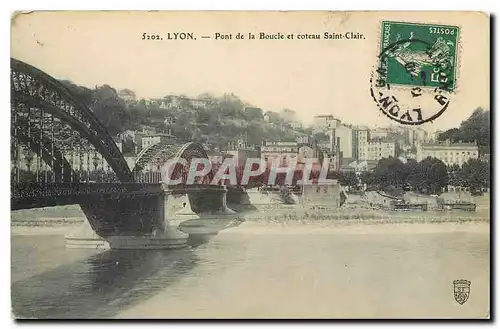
x=218 y=121
x=475 y=129
x=475 y=174
x=390 y=171
x=368 y=178
x=253 y=113
x=82 y=94
x=273 y=117
x=433 y=175
x=231 y=106
x=413 y=174
x=321 y=137
x=348 y=178
x=453 y=134
x=141 y=105
x=288 y=115
x=110 y=109
x=455 y=175
x=128 y=146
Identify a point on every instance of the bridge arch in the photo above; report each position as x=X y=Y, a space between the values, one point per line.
x=157 y=155
x=46 y=117
x=200 y=200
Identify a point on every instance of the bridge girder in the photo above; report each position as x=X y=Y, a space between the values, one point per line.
x=159 y=154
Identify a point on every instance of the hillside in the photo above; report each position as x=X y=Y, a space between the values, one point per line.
x=211 y=120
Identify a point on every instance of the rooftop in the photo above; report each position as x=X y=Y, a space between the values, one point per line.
x=449 y=144
x=280 y=143
x=358 y=127
x=381 y=140
x=146 y=134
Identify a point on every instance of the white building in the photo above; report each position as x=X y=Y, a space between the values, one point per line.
x=433 y=137
x=338 y=133
x=449 y=153
x=296 y=125
x=378 y=133
x=421 y=135
x=175 y=101
x=413 y=136
x=344 y=135
x=286 y=152
x=366 y=146
x=281 y=151
x=378 y=149
x=325 y=121
x=144 y=140
x=360 y=137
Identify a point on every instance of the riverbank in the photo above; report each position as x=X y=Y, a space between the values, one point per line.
x=327 y=226
x=42 y=230
x=358 y=227
x=307 y=215
x=50 y=221
x=63 y=220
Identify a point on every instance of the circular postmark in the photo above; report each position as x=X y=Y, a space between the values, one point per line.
x=411 y=83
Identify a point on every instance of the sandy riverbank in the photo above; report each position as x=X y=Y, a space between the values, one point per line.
x=350 y=227
x=43 y=230
x=303 y=227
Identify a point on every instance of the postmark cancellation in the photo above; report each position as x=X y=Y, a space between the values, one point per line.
x=416 y=71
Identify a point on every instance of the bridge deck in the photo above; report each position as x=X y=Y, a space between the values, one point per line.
x=33 y=195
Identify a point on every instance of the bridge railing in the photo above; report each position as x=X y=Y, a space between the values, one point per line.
x=149 y=177
x=35 y=190
x=49 y=177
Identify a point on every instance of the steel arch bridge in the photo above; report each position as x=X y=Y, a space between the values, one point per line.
x=158 y=155
x=57 y=144
x=48 y=120
x=63 y=133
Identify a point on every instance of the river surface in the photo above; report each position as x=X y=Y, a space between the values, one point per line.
x=261 y=271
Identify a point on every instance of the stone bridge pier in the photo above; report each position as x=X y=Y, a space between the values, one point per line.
x=145 y=221
x=208 y=200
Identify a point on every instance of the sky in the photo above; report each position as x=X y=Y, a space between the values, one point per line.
x=311 y=77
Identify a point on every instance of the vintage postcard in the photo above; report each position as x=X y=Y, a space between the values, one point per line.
x=250 y=165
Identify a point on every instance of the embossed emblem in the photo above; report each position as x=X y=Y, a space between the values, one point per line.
x=461 y=289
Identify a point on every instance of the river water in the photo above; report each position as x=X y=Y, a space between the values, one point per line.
x=261 y=271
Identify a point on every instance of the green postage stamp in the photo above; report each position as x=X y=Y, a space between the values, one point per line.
x=415 y=54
